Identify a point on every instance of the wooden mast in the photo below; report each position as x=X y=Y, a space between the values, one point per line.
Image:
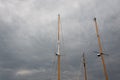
x=58 y=54
x=100 y=50
x=84 y=63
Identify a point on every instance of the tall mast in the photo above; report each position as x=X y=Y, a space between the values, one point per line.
x=84 y=63
x=100 y=50
x=58 y=54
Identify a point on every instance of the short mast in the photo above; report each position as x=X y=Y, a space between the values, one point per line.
x=58 y=54
x=100 y=50
x=84 y=64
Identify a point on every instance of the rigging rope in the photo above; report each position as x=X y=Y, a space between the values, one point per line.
x=53 y=68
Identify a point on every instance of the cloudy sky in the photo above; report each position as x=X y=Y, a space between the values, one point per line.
x=28 y=38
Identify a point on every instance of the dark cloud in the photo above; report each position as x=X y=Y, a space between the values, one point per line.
x=28 y=38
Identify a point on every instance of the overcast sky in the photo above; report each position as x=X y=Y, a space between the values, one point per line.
x=28 y=38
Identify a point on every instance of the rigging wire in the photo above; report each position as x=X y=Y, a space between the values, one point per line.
x=53 y=68
x=54 y=65
x=62 y=40
x=62 y=48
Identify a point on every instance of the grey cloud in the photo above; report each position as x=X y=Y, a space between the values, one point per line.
x=28 y=37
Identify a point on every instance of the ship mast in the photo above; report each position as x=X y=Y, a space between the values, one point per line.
x=58 y=54
x=84 y=64
x=100 y=50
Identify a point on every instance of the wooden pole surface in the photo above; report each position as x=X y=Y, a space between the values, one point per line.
x=59 y=76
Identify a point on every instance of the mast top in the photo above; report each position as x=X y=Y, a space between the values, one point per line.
x=94 y=18
x=58 y=14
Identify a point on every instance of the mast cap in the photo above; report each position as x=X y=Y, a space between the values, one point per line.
x=94 y=18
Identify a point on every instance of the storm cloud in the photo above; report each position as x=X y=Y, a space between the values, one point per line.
x=28 y=38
